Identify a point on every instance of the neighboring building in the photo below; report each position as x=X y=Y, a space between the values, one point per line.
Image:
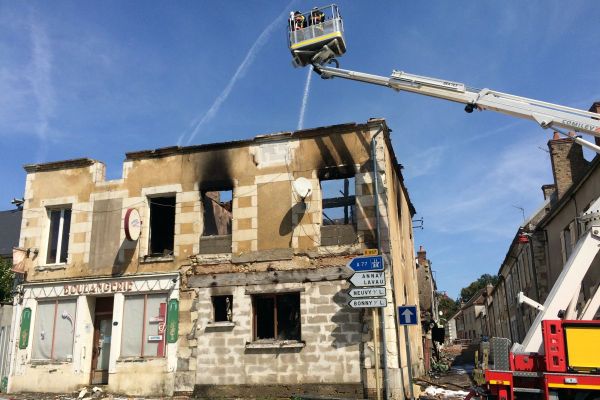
x=236 y=284
x=428 y=303
x=10 y=224
x=473 y=315
x=544 y=242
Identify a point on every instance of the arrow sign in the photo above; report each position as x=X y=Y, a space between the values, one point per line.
x=407 y=315
x=368 y=303
x=366 y=263
x=368 y=279
x=367 y=292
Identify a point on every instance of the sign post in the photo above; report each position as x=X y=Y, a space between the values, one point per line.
x=407 y=315
x=369 y=292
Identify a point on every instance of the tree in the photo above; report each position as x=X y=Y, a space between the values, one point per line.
x=6 y=280
x=447 y=306
x=467 y=292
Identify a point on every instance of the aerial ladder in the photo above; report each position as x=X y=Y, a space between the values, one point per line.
x=560 y=355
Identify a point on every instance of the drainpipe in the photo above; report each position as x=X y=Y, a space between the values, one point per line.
x=378 y=235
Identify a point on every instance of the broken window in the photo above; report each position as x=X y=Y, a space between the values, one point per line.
x=277 y=316
x=162 y=225
x=144 y=319
x=222 y=308
x=54 y=329
x=338 y=201
x=217 y=207
x=58 y=238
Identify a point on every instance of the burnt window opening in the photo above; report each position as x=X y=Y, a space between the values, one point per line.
x=162 y=225
x=217 y=208
x=338 y=201
x=277 y=316
x=222 y=308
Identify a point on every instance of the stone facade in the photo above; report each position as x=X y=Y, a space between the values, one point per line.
x=262 y=307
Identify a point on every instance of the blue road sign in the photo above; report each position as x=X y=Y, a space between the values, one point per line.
x=366 y=263
x=407 y=315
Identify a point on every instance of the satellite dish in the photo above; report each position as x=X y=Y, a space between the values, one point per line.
x=132 y=224
x=302 y=187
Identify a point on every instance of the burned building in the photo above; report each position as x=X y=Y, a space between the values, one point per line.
x=218 y=269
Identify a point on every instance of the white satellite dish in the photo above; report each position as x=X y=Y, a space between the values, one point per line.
x=302 y=187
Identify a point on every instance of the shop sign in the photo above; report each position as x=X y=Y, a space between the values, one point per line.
x=98 y=287
x=173 y=321
x=25 y=325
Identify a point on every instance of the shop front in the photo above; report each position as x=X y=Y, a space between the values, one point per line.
x=118 y=332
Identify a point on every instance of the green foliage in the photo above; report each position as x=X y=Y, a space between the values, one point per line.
x=447 y=306
x=6 y=280
x=467 y=292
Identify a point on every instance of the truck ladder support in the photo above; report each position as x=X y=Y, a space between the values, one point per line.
x=547 y=115
x=562 y=292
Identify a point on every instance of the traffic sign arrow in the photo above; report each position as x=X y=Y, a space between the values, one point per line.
x=407 y=315
x=368 y=279
x=368 y=303
x=367 y=292
x=366 y=263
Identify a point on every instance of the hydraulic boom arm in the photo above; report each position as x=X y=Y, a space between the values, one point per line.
x=547 y=115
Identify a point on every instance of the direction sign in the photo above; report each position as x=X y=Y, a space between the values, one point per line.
x=366 y=263
x=368 y=303
x=407 y=315
x=368 y=279
x=367 y=292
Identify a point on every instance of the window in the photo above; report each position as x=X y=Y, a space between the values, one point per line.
x=338 y=201
x=277 y=316
x=54 y=329
x=162 y=226
x=217 y=206
x=58 y=239
x=144 y=319
x=566 y=239
x=222 y=308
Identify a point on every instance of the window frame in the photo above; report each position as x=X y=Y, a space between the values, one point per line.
x=144 y=323
x=149 y=250
x=59 y=235
x=275 y=296
x=52 y=358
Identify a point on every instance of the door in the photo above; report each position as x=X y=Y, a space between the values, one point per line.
x=102 y=341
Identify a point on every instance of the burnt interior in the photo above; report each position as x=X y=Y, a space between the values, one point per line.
x=338 y=200
x=277 y=316
x=162 y=225
x=216 y=210
x=222 y=308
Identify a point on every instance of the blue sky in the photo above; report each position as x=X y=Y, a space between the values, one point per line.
x=98 y=79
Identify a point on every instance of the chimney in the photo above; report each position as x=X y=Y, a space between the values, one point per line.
x=548 y=190
x=568 y=164
x=595 y=108
x=422 y=257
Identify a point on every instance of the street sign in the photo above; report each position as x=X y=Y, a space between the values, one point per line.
x=367 y=292
x=407 y=315
x=366 y=263
x=368 y=279
x=370 y=252
x=368 y=303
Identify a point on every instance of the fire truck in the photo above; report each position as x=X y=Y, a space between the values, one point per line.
x=560 y=355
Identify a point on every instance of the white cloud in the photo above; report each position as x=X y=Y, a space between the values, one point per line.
x=481 y=199
x=239 y=73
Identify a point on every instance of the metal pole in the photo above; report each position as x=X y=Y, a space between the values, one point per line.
x=409 y=362
x=375 y=317
x=378 y=234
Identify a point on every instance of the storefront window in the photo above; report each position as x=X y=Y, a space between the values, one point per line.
x=54 y=330
x=144 y=321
